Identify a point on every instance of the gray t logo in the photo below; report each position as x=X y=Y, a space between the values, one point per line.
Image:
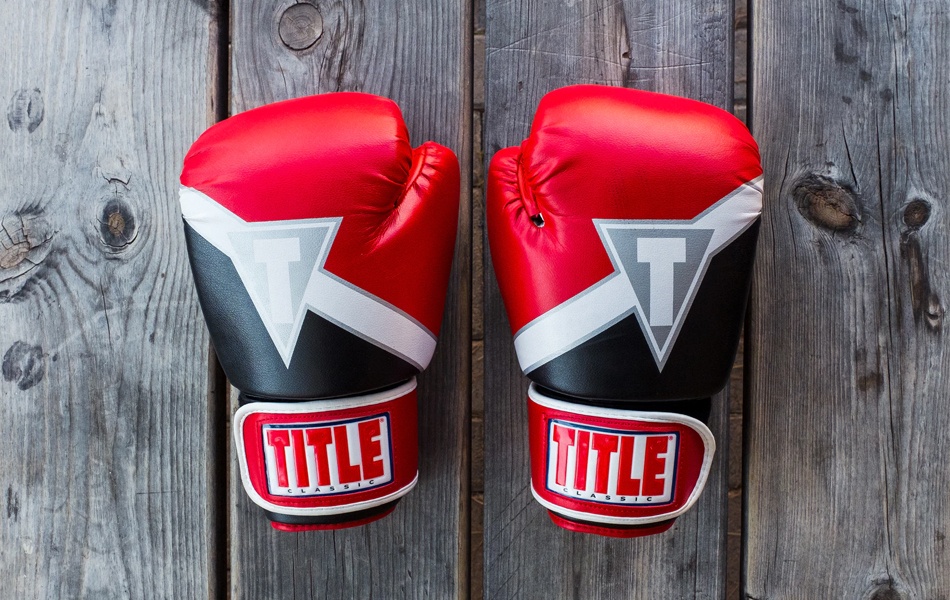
x=277 y=254
x=663 y=264
x=661 y=254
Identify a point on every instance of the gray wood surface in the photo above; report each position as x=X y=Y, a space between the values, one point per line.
x=848 y=416
x=682 y=47
x=106 y=439
x=113 y=418
x=419 y=54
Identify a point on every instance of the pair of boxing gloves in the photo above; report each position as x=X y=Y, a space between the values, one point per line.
x=622 y=234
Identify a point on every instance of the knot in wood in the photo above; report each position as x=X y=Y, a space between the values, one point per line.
x=23 y=364
x=117 y=224
x=934 y=312
x=916 y=213
x=300 y=26
x=827 y=203
x=25 y=112
x=886 y=592
x=14 y=255
x=24 y=245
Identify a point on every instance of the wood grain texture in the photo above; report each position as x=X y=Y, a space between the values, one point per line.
x=682 y=47
x=848 y=368
x=419 y=54
x=104 y=396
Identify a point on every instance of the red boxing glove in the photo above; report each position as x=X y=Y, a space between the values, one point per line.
x=623 y=232
x=321 y=244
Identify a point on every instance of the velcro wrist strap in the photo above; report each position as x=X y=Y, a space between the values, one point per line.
x=329 y=457
x=615 y=467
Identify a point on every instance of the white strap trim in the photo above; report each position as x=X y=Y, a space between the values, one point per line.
x=574 y=322
x=309 y=407
x=709 y=451
x=326 y=294
x=600 y=306
x=330 y=510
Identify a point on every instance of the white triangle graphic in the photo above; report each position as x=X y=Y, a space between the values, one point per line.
x=664 y=263
x=275 y=263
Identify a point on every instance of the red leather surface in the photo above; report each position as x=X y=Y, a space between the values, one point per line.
x=343 y=155
x=403 y=429
x=597 y=152
x=689 y=459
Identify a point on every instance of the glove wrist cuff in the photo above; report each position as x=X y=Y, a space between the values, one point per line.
x=608 y=468
x=325 y=458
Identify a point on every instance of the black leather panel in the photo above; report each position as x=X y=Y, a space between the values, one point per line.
x=328 y=360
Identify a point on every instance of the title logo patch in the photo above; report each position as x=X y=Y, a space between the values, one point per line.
x=610 y=466
x=321 y=459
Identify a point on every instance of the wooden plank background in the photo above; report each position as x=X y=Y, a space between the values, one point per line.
x=849 y=371
x=421 y=550
x=683 y=48
x=106 y=435
x=117 y=472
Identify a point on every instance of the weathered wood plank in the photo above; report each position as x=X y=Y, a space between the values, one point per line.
x=418 y=53
x=848 y=367
x=682 y=47
x=104 y=395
